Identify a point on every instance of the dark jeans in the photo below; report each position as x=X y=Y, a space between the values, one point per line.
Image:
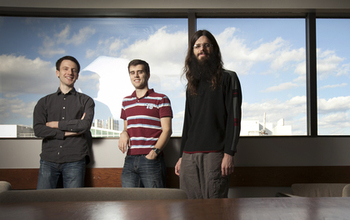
x=138 y=171
x=72 y=174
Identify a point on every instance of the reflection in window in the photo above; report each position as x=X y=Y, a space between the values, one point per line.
x=269 y=58
x=103 y=46
x=333 y=73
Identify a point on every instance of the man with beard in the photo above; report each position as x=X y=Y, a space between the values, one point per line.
x=212 y=121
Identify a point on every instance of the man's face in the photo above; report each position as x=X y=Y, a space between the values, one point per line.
x=202 y=49
x=68 y=73
x=138 y=76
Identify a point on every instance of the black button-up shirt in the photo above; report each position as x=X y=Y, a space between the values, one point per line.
x=67 y=109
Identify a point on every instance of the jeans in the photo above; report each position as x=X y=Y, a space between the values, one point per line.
x=73 y=174
x=138 y=171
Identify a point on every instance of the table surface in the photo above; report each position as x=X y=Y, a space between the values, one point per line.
x=240 y=208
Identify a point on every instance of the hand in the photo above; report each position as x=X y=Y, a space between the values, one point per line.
x=227 y=165
x=151 y=155
x=52 y=124
x=124 y=141
x=177 y=167
x=71 y=133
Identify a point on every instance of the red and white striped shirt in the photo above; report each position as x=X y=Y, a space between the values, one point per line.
x=143 y=119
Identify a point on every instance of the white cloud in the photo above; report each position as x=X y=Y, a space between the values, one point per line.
x=276 y=109
x=165 y=52
x=344 y=70
x=11 y=108
x=180 y=114
x=333 y=105
x=52 y=44
x=328 y=63
x=23 y=75
x=336 y=119
x=334 y=124
x=293 y=111
x=81 y=36
x=49 y=48
x=301 y=69
x=334 y=86
x=286 y=56
x=283 y=86
x=333 y=113
x=107 y=47
x=240 y=57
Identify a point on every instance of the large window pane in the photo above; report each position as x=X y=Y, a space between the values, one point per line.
x=333 y=76
x=103 y=46
x=269 y=58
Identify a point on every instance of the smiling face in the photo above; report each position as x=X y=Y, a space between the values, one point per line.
x=67 y=73
x=138 y=77
x=202 y=49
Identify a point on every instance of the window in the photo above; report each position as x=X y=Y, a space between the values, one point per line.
x=333 y=76
x=267 y=54
x=31 y=46
x=269 y=57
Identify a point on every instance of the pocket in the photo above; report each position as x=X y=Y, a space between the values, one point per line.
x=144 y=156
x=218 y=184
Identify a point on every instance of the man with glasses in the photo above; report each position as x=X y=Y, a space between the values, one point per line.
x=212 y=121
x=147 y=128
x=63 y=119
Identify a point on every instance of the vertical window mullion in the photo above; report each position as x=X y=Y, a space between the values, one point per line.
x=192 y=25
x=311 y=75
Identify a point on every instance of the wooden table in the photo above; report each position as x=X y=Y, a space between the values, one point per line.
x=242 y=208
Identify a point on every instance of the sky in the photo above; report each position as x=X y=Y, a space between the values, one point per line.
x=267 y=54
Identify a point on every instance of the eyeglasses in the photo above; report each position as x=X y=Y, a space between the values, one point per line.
x=205 y=46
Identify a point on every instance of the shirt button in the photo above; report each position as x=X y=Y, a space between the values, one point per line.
x=60 y=146
x=58 y=153
x=62 y=117
x=64 y=107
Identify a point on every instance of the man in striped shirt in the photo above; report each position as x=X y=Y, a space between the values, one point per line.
x=147 y=129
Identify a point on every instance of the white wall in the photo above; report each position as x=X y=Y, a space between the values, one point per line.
x=252 y=152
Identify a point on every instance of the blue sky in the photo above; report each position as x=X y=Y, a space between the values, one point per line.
x=267 y=54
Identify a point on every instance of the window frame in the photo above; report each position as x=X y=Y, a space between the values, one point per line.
x=193 y=14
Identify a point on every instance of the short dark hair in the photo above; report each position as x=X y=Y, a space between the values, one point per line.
x=59 y=61
x=136 y=62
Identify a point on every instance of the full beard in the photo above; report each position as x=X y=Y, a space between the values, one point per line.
x=203 y=69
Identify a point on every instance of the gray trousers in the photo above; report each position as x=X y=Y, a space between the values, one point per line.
x=200 y=176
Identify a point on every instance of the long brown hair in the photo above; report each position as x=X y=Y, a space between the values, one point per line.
x=192 y=82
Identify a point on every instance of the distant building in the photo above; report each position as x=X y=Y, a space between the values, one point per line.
x=256 y=128
x=16 y=131
x=108 y=128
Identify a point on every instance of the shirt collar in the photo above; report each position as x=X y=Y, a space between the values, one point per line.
x=72 y=91
x=150 y=91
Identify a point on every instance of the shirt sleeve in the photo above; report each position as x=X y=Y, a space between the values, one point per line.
x=165 y=108
x=186 y=124
x=80 y=125
x=39 y=122
x=234 y=110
